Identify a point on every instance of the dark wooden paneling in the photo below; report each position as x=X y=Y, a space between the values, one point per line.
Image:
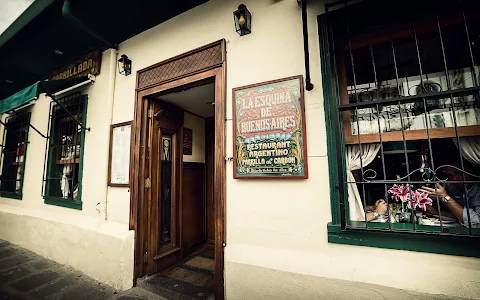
x=193 y=205
x=209 y=159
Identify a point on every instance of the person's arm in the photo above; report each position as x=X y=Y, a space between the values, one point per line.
x=380 y=209
x=434 y=211
x=456 y=208
x=371 y=216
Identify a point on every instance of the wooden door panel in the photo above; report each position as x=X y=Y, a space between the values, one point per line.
x=165 y=164
x=193 y=205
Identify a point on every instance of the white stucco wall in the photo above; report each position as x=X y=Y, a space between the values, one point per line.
x=197 y=125
x=282 y=225
x=81 y=238
x=280 y=228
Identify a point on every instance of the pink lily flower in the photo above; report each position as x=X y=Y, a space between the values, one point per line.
x=400 y=192
x=421 y=200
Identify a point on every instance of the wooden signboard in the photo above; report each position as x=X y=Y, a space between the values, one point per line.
x=269 y=130
x=119 y=161
x=88 y=64
x=187 y=141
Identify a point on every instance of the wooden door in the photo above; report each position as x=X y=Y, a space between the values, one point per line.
x=165 y=171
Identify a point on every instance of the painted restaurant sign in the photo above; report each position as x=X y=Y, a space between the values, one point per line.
x=269 y=130
x=88 y=64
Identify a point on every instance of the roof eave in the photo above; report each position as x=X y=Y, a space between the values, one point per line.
x=26 y=17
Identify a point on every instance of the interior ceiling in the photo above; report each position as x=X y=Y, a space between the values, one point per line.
x=30 y=56
x=194 y=100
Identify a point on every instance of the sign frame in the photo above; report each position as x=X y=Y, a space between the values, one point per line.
x=302 y=129
x=82 y=66
x=187 y=137
x=110 y=155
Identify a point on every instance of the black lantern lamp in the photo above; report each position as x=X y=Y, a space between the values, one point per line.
x=243 y=20
x=124 y=65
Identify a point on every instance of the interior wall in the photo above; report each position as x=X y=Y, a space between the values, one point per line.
x=282 y=224
x=197 y=124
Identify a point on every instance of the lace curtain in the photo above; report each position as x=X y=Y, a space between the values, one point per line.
x=470 y=148
x=353 y=155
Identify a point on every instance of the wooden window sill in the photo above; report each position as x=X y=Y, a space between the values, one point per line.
x=410 y=135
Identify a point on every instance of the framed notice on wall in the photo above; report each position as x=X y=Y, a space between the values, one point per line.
x=119 y=161
x=187 y=141
x=269 y=130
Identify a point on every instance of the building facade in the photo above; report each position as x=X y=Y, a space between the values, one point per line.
x=279 y=238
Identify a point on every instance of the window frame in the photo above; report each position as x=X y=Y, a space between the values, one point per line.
x=51 y=159
x=337 y=230
x=24 y=117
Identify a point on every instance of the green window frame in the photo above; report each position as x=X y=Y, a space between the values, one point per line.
x=377 y=236
x=14 y=153
x=63 y=172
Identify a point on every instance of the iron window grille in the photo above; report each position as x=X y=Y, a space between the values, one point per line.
x=14 y=150
x=408 y=80
x=64 y=154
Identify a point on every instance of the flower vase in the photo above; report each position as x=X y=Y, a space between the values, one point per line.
x=405 y=217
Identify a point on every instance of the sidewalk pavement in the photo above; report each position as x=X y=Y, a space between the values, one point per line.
x=27 y=275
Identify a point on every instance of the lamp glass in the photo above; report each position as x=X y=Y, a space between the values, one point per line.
x=124 y=65
x=243 y=20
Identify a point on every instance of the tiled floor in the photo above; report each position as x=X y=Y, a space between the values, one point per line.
x=193 y=278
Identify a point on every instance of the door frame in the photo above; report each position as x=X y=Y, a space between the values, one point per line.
x=139 y=193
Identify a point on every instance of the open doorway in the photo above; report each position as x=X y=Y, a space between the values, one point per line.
x=178 y=176
x=181 y=140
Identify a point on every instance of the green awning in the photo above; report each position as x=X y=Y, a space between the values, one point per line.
x=31 y=93
x=21 y=98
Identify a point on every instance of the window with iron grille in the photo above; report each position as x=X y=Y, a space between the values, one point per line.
x=402 y=95
x=64 y=155
x=14 y=151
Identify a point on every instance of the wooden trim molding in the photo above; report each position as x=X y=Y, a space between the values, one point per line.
x=193 y=62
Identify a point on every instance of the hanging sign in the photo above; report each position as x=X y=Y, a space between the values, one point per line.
x=187 y=141
x=88 y=64
x=269 y=130
x=119 y=162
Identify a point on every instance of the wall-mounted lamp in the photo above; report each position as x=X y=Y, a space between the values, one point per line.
x=124 y=65
x=243 y=20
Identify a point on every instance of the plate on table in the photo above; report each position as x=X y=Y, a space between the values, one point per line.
x=445 y=219
x=436 y=222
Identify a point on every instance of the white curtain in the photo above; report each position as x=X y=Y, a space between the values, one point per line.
x=368 y=154
x=470 y=148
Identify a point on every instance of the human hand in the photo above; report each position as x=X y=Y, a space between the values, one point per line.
x=441 y=192
x=380 y=207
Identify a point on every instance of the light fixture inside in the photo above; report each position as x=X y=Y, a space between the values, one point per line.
x=59 y=52
x=8 y=81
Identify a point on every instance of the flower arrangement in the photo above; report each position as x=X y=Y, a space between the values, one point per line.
x=414 y=199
